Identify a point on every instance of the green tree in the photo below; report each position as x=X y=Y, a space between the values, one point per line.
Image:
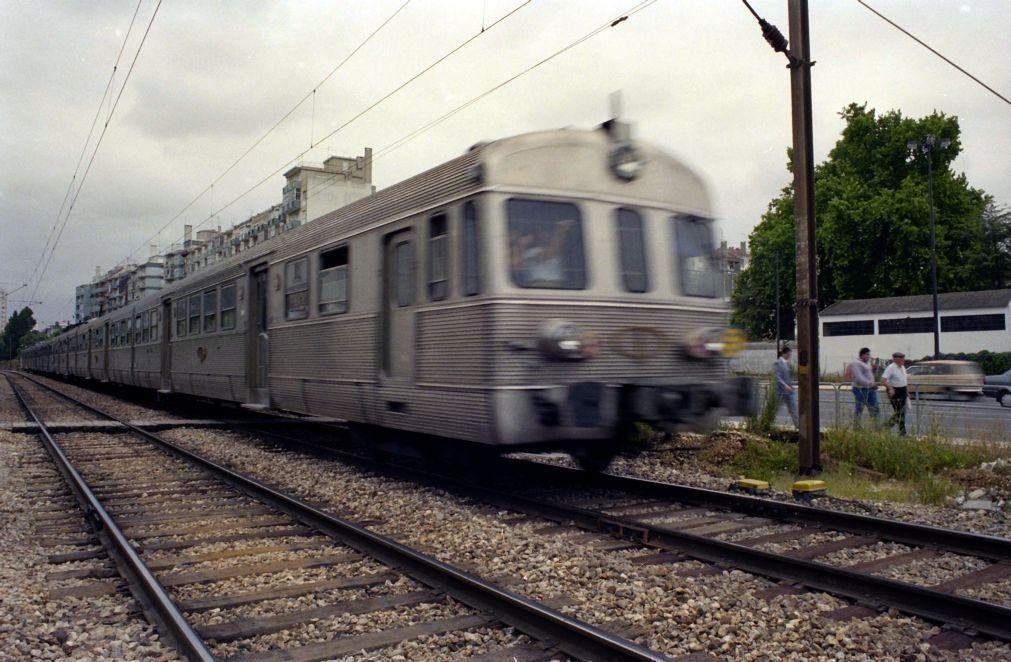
x=14 y=331
x=873 y=216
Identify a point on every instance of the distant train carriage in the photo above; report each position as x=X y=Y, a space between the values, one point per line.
x=541 y=291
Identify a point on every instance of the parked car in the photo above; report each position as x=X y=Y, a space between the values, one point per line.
x=999 y=386
x=954 y=379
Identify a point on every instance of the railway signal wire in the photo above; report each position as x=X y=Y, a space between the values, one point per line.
x=84 y=149
x=643 y=4
x=94 y=153
x=354 y=118
x=311 y=94
x=932 y=50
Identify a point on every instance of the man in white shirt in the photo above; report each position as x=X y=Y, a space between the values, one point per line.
x=894 y=379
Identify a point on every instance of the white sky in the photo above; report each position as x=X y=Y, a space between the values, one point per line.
x=696 y=77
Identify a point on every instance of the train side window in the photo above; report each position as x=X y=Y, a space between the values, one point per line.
x=296 y=289
x=405 y=274
x=693 y=252
x=146 y=327
x=155 y=325
x=179 y=312
x=194 y=314
x=333 y=281
x=210 y=311
x=113 y=337
x=438 y=248
x=632 y=250
x=546 y=244
x=136 y=330
x=470 y=249
x=228 y=307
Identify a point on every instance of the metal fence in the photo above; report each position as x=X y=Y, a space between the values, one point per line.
x=926 y=410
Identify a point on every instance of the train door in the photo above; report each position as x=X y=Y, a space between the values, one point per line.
x=257 y=338
x=166 y=346
x=103 y=372
x=398 y=305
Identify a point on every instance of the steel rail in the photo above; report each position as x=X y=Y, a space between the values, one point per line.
x=570 y=635
x=142 y=582
x=965 y=613
x=960 y=542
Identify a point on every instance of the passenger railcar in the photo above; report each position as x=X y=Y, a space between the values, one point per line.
x=540 y=291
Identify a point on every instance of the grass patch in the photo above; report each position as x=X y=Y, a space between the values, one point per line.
x=905 y=458
x=871 y=465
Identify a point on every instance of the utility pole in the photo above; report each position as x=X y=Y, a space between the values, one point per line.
x=807 y=267
x=803 y=197
x=778 y=325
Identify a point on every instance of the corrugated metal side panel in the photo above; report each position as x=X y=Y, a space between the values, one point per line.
x=326 y=355
x=452 y=347
x=222 y=372
x=619 y=329
x=119 y=365
x=147 y=365
x=456 y=413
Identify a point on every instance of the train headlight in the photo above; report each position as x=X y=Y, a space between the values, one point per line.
x=625 y=162
x=565 y=341
x=710 y=342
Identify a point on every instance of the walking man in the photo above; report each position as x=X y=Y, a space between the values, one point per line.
x=784 y=383
x=865 y=390
x=894 y=379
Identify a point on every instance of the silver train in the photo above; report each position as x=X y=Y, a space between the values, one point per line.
x=544 y=291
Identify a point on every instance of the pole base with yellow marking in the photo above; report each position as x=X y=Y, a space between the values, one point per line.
x=750 y=485
x=809 y=489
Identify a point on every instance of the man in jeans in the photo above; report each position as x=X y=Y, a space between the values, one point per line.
x=864 y=388
x=784 y=383
x=894 y=379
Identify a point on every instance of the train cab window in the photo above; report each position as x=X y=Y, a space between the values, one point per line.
x=693 y=252
x=438 y=255
x=228 y=307
x=632 y=250
x=546 y=244
x=194 y=314
x=296 y=289
x=333 y=281
x=470 y=265
x=210 y=311
x=405 y=274
x=179 y=313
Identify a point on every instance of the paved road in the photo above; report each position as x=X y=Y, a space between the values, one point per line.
x=982 y=418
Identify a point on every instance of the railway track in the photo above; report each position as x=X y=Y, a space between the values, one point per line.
x=221 y=563
x=871 y=562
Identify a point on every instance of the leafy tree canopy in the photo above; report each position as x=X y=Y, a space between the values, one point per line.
x=872 y=208
x=15 y=330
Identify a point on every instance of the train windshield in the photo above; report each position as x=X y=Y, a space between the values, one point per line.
x=694 y=252
x=546 y=244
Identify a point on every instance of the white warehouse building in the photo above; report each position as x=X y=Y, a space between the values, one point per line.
x=970 y=322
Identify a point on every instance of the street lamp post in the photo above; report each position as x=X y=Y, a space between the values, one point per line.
x=927 y=146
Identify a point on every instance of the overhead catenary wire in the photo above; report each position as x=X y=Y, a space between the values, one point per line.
x=311 y=94
x=358 y=115
x=396 y=144
x=932 y=50
x=98 y=144
x=87 y=141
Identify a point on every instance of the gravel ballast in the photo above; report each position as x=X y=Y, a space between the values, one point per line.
x=720 y=614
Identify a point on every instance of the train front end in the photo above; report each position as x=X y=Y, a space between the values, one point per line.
x=611 y=303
